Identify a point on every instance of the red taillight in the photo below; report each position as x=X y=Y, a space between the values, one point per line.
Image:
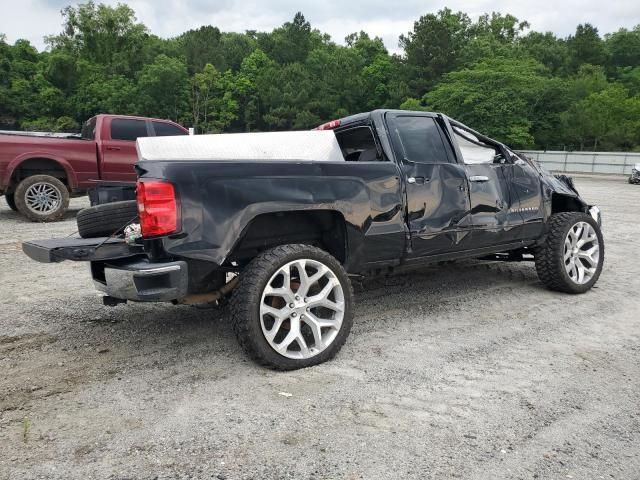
x=157 y=208
x=329 y=125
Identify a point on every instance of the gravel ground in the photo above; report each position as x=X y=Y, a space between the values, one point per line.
x=470 y=371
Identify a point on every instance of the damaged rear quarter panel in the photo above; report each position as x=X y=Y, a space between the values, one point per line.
x=218 y=200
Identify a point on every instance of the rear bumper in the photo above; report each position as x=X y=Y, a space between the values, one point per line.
x=142 y=281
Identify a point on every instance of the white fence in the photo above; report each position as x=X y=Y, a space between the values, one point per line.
x=586 y=162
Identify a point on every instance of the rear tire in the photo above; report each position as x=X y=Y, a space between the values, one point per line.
x=42 y=198
x=571 y=258
x=286 y=320
x=106 y=219
x=11 y=201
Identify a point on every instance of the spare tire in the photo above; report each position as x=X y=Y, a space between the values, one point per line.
x=106 y=219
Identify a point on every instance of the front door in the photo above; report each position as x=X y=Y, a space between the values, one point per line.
x=436 y=186
x=525 y=186
x=494 y=208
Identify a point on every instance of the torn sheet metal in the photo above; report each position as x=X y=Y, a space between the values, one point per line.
x=303 y=146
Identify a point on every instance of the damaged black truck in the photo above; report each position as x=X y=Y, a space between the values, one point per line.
x=280 y=223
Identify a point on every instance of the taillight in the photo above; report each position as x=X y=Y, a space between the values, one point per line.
x=157 y=208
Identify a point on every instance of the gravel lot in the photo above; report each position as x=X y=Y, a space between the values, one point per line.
x=470 y=371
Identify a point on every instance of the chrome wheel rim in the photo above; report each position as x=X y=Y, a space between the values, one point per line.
x=581 y=253
x=302 y=309
x=42 y=198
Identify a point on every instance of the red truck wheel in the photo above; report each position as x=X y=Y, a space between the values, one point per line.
x=11 y=201
x=42 y=198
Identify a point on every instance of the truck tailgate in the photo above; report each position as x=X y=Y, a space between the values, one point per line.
x=79 y=249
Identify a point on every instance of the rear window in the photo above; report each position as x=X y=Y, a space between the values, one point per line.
x=126 y=129
x=358 y=144
x=167 y=130
x=89 y=129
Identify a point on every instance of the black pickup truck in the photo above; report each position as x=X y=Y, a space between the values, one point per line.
x=281 y=223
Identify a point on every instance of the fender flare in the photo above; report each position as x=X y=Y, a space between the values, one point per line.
x=72 y=180
x=346 y=231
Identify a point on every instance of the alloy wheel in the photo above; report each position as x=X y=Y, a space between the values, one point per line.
x=42 y=198
x=302 y=309
x=581 y=253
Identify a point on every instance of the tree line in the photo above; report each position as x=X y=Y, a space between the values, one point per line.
x=529 y=89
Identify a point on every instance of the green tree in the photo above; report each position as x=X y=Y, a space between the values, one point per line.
x=547 y=49
x=163 y=88
x=526 y=88
x=498 y=97
x=434 y=47
x=608 y=119
x=586 y=46
x=105 y=35
x=213 y=103
x=99 y=93
x=623 y=47
x=290 y=43
x=201 y=47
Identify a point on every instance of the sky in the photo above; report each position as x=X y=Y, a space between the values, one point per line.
x=32 y=19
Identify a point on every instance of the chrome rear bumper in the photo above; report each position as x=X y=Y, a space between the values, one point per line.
x=142 y=281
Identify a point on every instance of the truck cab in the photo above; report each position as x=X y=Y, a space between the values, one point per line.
x=461 y=190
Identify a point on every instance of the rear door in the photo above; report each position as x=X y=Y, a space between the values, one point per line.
x=436 y=185
x=119 y=148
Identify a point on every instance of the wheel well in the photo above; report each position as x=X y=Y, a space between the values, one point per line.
x=565 y=203
x=38 y=166
x=322 y=228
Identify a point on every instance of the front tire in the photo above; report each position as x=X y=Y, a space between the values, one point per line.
x=42 y=198
x=293 y=307
x=571 y=258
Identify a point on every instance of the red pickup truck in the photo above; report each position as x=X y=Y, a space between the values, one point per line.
x=38 y=174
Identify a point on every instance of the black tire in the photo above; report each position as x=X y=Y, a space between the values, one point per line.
x=106 y=219
x=24 y=205
x=246 y=299
x=549 y=257
x=11 y=201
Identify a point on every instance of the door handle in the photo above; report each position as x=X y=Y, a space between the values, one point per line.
x=113 y=148
x=478 y=178
x=419 y=180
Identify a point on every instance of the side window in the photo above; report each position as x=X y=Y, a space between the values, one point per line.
x=418 y=139
x=167 y=130
x=358 y=144
x=473 y=150
x=127 y=129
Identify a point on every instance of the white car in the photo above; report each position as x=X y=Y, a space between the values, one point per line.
x=635 y=174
